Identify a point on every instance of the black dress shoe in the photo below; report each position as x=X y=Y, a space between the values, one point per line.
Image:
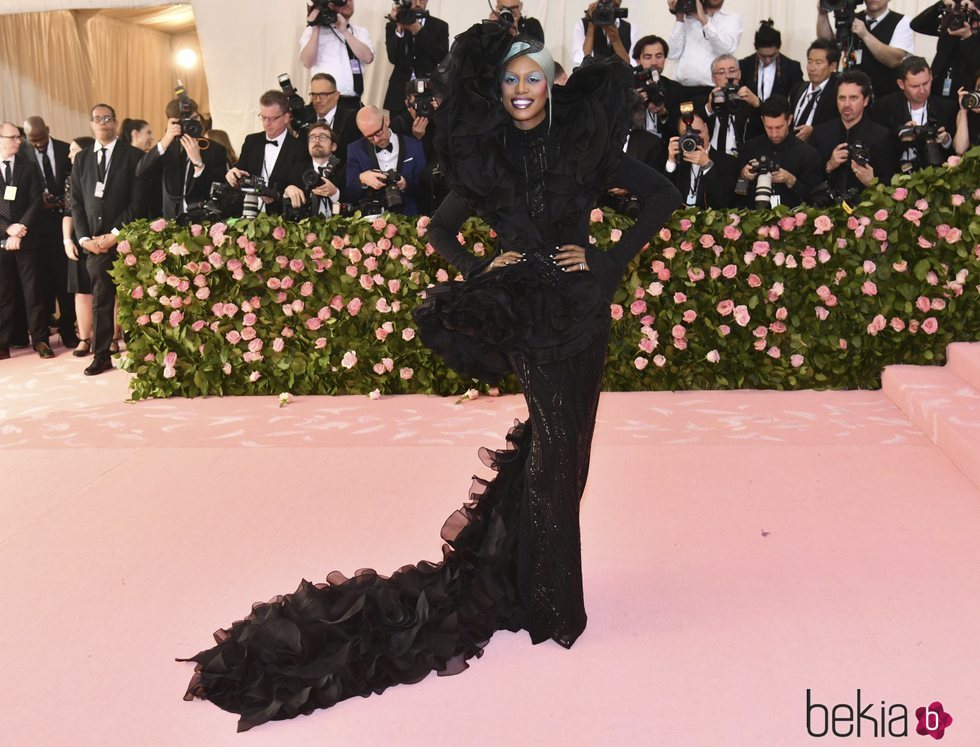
x=4 y=353
x=100 y=364
x=44 y=350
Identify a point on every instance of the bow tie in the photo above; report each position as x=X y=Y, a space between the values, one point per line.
x=386 y=148
x=272 y=142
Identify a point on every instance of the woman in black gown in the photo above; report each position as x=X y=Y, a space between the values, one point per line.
x=530 y=160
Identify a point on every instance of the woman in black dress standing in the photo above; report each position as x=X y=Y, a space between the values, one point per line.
x=530 y=160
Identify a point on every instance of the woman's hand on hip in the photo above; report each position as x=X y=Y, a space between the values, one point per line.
x=502 y=260
x=571 y=258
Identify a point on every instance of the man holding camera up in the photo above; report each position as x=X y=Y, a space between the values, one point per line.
x=874 y=41
x=603 y=33
x=417 y=121
x=730 y=106
x=416 y=44
x=793 y=167
x=921 y=124
x=855 y=149
x=703 y=31
x=521 y=25
x=815 y=101
x=660 y=94
x=270 y=155
x=705 y=177
x=956 y=23
x=183 y=161
x=384 y=169
x=968 y=119
x=319 y=176
x=332 y=44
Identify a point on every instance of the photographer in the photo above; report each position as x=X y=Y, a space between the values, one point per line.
x=183 y=163
x=731 y=106
x=769 y=72
x=954 y=22
x=320 y=174
x=417 y=121
x=815 y=101
x=603 y=33
x=968 y=119
x=703 y=31
x=377 y=158
x=876 y=40
x=650 y=54
x=330 y=43
x=415 y=49
x=324 y=110
x=272 y=154
x=921 y=125
x=793 y=166
x=855 y=149
x=705 y=177
x=523 y=25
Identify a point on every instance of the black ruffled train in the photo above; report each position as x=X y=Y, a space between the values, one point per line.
x=360 y=635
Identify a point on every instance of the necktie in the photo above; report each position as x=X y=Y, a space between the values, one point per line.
x=762 y=82
x=322 y=170
x=274 y=143
x=101 y=165
x=722 y=134
x=811 y=101
x=6 y=173
x=48 y=171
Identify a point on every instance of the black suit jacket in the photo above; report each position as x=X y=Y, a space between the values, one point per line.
x=884 y=159
x=252 y=160
x=826 y=106
x=742 y=122
x=49 y=222
x=955 y=56
x=122 y=199
x=420 y=54
x=26 y=208
x=793 y=155
x=789 y=74
x=338 y=178
x=167 y=171
x=892 y=111
x=716 y=189
x=646 y=147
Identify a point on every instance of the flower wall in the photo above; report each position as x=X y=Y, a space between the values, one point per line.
x=734 y=299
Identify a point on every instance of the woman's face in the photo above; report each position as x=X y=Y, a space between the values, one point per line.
x=524 y=89
x=143 y=139
x=73 y=150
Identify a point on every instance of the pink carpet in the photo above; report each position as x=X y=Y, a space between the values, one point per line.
x=740 y=548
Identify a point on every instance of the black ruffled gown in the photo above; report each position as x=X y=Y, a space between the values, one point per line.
x=512 y=556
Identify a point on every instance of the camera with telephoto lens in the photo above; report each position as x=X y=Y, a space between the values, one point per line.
x=423 y=97
x=824 y=196
x=859 y=153
x=312 y=179
x=956 y=17
x=328 y=14
x=408 y=16
x=924 y=140
x=971 y=100
x=505 y=20
x=725 y=100
x=302 y=117
x=606 y=14
x=393 y=196
x=764 y=166
x=223 y=196
x=188 y=125
x=647 y=80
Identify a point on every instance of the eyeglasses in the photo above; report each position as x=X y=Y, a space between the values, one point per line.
x=272 y=119
x=320 y=138
x=104 y=119
x=321 y=94
x=378 y=133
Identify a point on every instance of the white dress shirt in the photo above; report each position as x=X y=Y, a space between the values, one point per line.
x=272 y=153
x=767 y=79
x=805 y=100
x=39 y=155
x=386 y=160
x=902 y=37
x=332 y=58
x=694 y=46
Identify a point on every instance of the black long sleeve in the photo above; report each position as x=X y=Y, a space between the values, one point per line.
x=443 y=229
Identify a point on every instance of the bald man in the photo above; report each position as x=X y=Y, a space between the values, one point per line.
x=53 y=166
x=377 y=152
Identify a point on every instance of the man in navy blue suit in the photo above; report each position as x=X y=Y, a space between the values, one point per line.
x=378 y=152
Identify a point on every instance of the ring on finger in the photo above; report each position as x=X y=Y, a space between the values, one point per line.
x=581 y=266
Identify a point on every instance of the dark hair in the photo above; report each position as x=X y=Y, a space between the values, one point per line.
x=646 y=41
x=84 y=141
x=559 y=70
x=776 y=106
x=221 y=137
x=275 y=98
x=129 y=126
x=325 y=76
x=102 y=106
x=829 y=46
x=911 y=65
x=859 y=78
x=173 y=108
x=768 y=35
x=321 y=126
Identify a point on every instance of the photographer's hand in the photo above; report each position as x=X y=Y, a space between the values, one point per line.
x=419 y=127
x=341 y=24
x=701 y=15
x=699 y=156
x=860 y=29
x=748 y=171
x=745 y=93
x=234 y=176
x=782 y=176
x=193 y=151
x=707 y=105
x=963 y=32
x=865 y=174
x=838 y=157
x=373 y=179
x=672 y=7
x=295 y=196
x=673 y=148
x=327 y=189
x=402 y=184
x=171 y=134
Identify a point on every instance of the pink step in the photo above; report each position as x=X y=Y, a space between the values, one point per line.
x=944 y=407
x=963 y=359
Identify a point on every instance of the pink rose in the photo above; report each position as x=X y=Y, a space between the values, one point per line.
x=255 y=345
x=938 y=304
x=923 y=304
x=879 y=234
x=394 y=285
x=234 y=337
x=913 y=216
x=324 y=313
x=615 y=235
x=278 y=233
x=714 y=272
x=321 y=343
x=782 y=313
x=337 y=303
x=664 y=234
x=596 y=216
x=406 y=373
x=198 y=325
x=176 y=317
x=774 y=352
x=679 y=297
x=137 y=292
x=777 y=328
x=808 y=263
x=695 y=274
x=641 y=363
x=755 y=281
x=900 y=193
x=130 y=260
x=638 y=307
x=158 y=256
x=659 y=361
x=254 y=376
x=724 y=330
x=822 y=313
x=741 y=315
x=249 y=319
x=685 y=224
x=278 y=344
x=383 y=306
x=707 y=241
x=158 y=225
x=689 y=316
x=954 y=235
x=900 y=266
x=868 y=288
x=408 y=334
x=248 y=333
x=713 y=356
x=760 y=331
x=680 y=343
x=350 y=357
x=616 y=311
x=678 y=331
x=822 y=224
x=930 y=325
x=896 y=324
x=761 y=248
x=725 y=307
x=314 y=323
x=796 y=361
x=647 y=345
x=354 y=306
x=729 y=271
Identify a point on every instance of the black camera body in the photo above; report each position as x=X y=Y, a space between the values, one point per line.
x=824 y=196
x=406 y=15
x=924 y=139
x=859 y=153
x=328 y=14
x=765 y=164
x=971 y=100
x=763 y=167
x=647 y=80
x=844 y=12
x=222 y=197
x=505 y=20
x=392 y=195
x=425 y=103
x=311 y=180
x=956 y=17
x=690 y=141
x=606 y=14
x=188 y=125
x=687 y=7
x=302 y=117
x=726 y=100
